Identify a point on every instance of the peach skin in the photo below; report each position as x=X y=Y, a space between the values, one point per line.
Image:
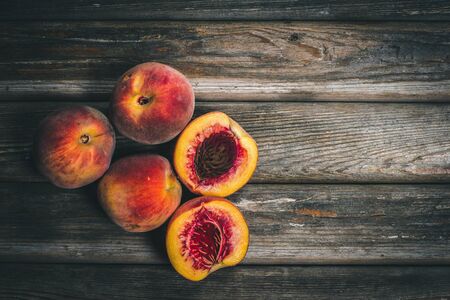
x=152 y=103
x=140 y=192
x=74 y=146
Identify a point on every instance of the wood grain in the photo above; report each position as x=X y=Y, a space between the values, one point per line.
x=295 y=61
x=225 y=10
x=289 y=224
x=298 y=142
x=71 y=281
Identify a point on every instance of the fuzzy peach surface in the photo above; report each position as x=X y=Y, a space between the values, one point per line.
x=238 y=237
x=152 y=103
x=140 y=192
x=73 y=147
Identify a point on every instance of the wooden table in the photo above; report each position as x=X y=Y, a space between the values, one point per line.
x=350 y=198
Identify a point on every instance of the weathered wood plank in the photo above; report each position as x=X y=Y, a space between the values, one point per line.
x=298 y=142
x=69 y=281
x=225 y=10
x=230 y=61
x=289 y=224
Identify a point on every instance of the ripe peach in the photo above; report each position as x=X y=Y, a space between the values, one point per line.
x=206 y=234
x=214 y=156
x=73 y=147
x=140 y=192
x=152 y=103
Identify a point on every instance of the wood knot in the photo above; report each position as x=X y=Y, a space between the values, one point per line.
x=294 y=37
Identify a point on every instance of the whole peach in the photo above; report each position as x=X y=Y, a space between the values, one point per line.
x=152 y=103
x=74 y=146
x=140 y=192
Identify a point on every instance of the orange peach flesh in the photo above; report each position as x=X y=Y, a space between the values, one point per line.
x=140 y=192
x=214 y=156
x=152 y=103
x=73 y=147
x=204 y=235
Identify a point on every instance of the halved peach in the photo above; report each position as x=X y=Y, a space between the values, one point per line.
x=214 y=156
x=206 y=234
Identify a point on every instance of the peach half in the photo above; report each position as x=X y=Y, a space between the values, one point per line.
x=74 y=146
x=140 y=192
x=206 y=234
x=214 y=156
x=152 y=103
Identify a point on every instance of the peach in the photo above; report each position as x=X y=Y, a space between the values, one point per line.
x=204 y=235
x=214 y=156
x=152 y=103
x=74 y=146
x=140 y=192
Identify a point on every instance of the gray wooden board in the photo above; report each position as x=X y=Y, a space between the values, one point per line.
x=71 y=281
x=289 y=224
x=48 y=57
x=295 y=61
x=225 y=10
x=298 y=142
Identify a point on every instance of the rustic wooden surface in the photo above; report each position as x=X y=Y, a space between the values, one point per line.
x=230 y=61
x=225 y=10
x=72 y=281
x=298 y=142
x=289 y=224
x=344 y=181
